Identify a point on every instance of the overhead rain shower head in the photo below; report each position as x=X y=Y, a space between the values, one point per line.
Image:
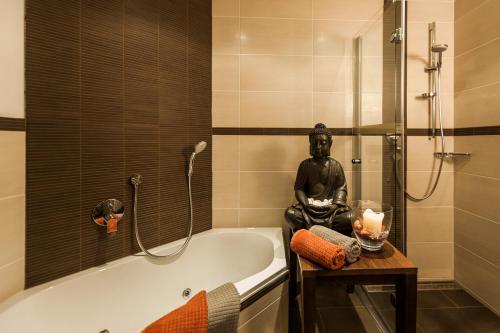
x=200 y=146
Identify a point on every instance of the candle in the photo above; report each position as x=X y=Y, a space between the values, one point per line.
x=372 y=221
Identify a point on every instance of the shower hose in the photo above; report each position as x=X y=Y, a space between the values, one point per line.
x=428 y=194
x=136 y=181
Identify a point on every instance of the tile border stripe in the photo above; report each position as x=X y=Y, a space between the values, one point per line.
x=12 y=124
x=483 y=130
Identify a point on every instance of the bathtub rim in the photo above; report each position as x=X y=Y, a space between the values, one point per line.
x=246 y=299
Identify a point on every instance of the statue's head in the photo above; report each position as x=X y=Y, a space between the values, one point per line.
x=320 y=141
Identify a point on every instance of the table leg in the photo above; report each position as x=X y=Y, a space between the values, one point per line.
x=293 y=317
x=308 y=300
x=406 y=304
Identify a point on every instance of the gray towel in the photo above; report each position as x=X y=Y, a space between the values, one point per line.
x=351 y=246
x=223 y=309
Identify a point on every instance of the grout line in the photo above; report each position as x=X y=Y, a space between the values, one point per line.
x=446 y=296
x=295 y=18
x=15 y=196
x=470 y=11
x=239 y=117
x=309 y=55
x=289 y=92
x=11 y=263
x=477 y=47
x=80 y=259
x=478 y=216
x=312 y=65
x=475 y=175
x=478 y=87
x=476 y=255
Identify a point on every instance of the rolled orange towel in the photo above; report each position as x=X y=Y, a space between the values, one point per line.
x=192 y=317
x=315 y=248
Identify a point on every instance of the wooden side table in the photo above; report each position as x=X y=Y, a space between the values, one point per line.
x=386 y=267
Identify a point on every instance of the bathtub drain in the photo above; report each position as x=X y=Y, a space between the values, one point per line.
x=186 y=293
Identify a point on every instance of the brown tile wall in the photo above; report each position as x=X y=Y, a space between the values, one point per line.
x=477 y=179
x=113 y=88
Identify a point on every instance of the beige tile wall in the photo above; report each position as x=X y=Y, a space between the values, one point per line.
x=429 y=222
x=254 y=176
x=12 y=211
x=12 y=59
x=477 y=180
x=279 y=63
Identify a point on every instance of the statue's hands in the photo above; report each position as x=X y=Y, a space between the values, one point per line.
x=332 y=208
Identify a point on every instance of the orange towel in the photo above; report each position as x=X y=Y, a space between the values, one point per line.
x=192 y=317
x=315 y=248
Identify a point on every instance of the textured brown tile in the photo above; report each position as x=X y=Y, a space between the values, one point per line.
x=174 y=205
x=141 y=62
x=102 y=145
x=52 y=201
x=173 y=65
x=141 y=156
x=52 y=60
x=100 y=78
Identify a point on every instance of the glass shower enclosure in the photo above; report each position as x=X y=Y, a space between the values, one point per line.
x=378 y=157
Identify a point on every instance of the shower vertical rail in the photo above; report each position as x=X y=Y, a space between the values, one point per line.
x=403 y=118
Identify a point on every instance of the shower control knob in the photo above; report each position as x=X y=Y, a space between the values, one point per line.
x=356 y=161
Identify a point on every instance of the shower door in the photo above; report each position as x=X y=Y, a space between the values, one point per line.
x=378 y=114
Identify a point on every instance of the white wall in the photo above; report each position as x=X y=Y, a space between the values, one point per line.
x=12 y=58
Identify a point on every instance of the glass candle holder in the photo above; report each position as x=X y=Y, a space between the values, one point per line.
x=372 y=223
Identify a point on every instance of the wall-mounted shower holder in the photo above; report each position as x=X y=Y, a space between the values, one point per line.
x=451 y=155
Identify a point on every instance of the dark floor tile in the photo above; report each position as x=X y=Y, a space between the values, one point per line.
x=389 y=317
x=348 y=319
x=381 y=300
x=442 y=320
x=480 y=320
x=329 y=295
x=461 y=298
x=432 y=299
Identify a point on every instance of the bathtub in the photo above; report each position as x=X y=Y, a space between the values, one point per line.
x=128 y=294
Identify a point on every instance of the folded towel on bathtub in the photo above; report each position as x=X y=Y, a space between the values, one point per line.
x=192 y=317
x=315 y=248
x=223 y=309
x=350 y=245
x=217 y=311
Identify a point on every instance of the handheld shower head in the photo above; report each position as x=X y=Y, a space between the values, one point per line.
x=200 y=146
x=439 y=48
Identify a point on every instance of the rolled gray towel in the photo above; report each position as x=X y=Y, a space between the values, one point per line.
x=223 y=309
x=351 y=246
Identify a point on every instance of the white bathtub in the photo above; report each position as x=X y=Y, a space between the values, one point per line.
x=127 y=294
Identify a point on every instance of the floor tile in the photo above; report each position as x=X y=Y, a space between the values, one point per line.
x=441 y=320
x=329 y=295
x=348 y=319
x=480 y=320
x=432 y=299
x=461 y=298
x=381 y=300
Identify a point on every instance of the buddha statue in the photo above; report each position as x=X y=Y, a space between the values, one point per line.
x=320 y=188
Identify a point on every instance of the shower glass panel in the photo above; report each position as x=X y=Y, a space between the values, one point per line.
x=378 y=118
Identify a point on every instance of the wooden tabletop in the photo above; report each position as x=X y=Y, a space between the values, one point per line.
x=387 y=261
